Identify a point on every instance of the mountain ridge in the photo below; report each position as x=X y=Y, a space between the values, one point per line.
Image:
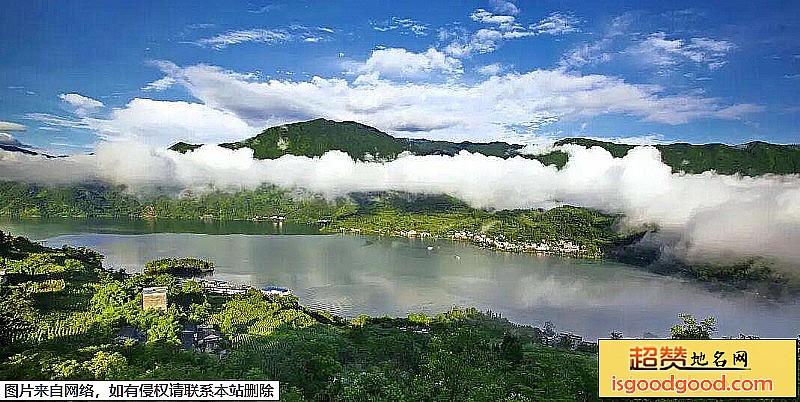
x=315 y=137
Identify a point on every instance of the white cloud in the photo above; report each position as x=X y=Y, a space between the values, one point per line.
x=556 y=24
x=160 y=84
x=482 y=41
x=162 y=123
x=8 y=139
x=504 y=7
x=504 y=27
x=294 y=33
x=57 y=122
x=403 y=25
x=647 y=139
x=598 y=51
x=268 y=36
x=491 y=69
x=9 y=126
x=657 y=49
x=401 y=63
x=505 y=22
x=81 y=105
x=712 y=215
x=484 y=110
x=265 y=9
x=233 y=105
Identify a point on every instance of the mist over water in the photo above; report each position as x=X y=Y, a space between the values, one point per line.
x=352 y=275
x=706 y=216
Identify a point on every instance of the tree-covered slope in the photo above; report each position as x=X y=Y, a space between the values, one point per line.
x=497 y=148
x=102 y=200
x=184 y=147
x=315 y=137
x=750 y=159
x=361 y=142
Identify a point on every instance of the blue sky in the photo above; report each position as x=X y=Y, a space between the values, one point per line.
x=78 y=73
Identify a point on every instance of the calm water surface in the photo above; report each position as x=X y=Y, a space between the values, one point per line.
x=351 y=275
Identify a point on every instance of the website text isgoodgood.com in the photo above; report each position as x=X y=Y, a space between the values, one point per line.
x=631 y=386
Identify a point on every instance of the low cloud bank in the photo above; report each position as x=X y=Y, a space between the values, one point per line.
x=711 y=215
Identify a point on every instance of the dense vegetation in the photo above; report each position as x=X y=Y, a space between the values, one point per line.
x=428 y=147
x=179 y=267
x=751 y=159
x=315 y=137
x=62 y=323
x=101 y=200
x=398 y=214
x=444 y=217
x=61 y=313
x=763 y=275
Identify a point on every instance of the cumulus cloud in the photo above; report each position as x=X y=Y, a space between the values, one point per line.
x=81 y=105
x=491 y=69
x=8 y=139
x=162 y=123
x=504 y=27
x=9 y=126
x=481 y=111
x=710 y=213
x=401 y=63
x=230 y=106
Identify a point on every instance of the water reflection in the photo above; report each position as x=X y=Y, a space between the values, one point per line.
x=353 y=275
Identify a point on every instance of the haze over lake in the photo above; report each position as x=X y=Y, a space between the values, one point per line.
x=352 y=275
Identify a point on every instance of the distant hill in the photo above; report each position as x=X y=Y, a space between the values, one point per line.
x=362 y=142
x=14 y=148
x=750 y=159
x=183 y=147
x=315 y=137
x=497 y=148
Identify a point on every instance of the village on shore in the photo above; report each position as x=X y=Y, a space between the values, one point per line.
x=498 y=243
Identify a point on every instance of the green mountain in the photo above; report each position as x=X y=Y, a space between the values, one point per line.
x=183 y=147
x=361 y=142
x=315 y=137
x=750 y=159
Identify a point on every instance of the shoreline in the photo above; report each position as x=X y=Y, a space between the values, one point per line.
x=766 y=285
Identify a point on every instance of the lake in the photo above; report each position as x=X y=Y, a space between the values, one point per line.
x=352 y=275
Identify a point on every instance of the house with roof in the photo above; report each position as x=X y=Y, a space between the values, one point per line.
x=154 y=297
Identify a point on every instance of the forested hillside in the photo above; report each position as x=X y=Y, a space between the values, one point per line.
x=361 y=142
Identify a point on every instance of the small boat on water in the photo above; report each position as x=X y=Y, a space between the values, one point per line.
x=276 y=290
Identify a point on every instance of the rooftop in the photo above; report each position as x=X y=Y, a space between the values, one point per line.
x=154 y=290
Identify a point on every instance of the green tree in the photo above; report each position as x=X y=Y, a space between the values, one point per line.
x=691 y=329
x=107 y=365
x=511 y=348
